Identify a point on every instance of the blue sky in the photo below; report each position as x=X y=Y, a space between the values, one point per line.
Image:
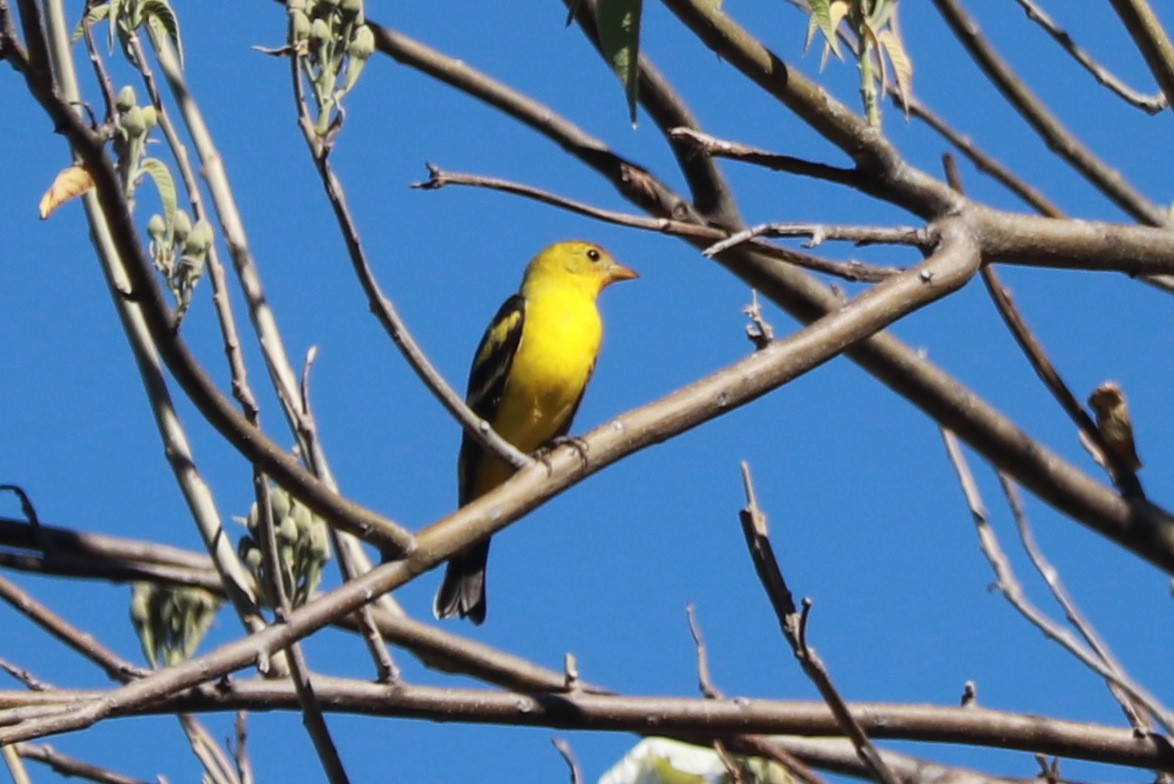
x=867 y=516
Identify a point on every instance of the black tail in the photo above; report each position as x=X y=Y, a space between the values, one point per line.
x=463 y=590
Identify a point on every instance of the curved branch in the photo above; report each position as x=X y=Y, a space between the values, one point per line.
x=1150 y=104
x=1151 y=39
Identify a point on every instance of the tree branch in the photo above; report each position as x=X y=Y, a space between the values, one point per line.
x=1057 y=137
x=1151 y=39
x=971 y=726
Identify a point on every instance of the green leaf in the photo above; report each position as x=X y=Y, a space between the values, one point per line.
x=159 y=14
x=890 y=43
x=619 y=35
x=826 y=16
x=95 y=15
x=157 y=170
x=115 y=11
x=881 y=13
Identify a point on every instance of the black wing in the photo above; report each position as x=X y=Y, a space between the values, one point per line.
x=487 y=378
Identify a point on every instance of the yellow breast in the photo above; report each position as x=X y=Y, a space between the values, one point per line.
x=561 y=335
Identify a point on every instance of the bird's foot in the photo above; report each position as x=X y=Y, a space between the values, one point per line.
x=543 y=452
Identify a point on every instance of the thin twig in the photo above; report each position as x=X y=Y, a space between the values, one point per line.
x=116 y=667
x=1055 y=134
x=850 y=270
x=383 y=308
x=836 y=755
x=769 y=748
x=1122 y=473
x=351 y=560
x=216 y=764
x=386 y=670
x=794 y=628
x=221 y=298
x=704 y=682
x=240 y=751
x=723 y=148
x=71 y=767
x=983 y=160
x=1008 y=585
x=312 y=716
x=820 y=233
x=1151 y=40
x=1151 y=104
x=733 y=770
x=101 y=74
x=24 y=676
x=758 y=331
x=1078 y=620
x=30 y=515
x=564 y=749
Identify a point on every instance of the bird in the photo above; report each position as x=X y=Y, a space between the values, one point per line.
x=528 y=377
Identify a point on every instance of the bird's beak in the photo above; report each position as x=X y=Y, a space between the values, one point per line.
x=619 y=272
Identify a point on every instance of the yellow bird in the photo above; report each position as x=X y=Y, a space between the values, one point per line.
x=527 y=380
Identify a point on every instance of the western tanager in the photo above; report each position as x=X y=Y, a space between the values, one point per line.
x=527 y=379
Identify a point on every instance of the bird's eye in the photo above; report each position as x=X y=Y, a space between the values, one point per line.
x=593 y=254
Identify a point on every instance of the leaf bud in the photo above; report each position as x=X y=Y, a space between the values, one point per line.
x=199 y=240
x=133 y=122
x=150 y=117
x=156 y=227
x=279 y=502
x=126 y=99
x=320 y=31
x=299 y=26
x=362 y=45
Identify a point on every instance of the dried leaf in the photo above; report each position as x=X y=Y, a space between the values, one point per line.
x=70 y=184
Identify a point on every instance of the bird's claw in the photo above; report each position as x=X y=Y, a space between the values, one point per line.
x=543 y=453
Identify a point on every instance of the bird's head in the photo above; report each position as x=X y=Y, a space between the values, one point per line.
x=583 y=265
